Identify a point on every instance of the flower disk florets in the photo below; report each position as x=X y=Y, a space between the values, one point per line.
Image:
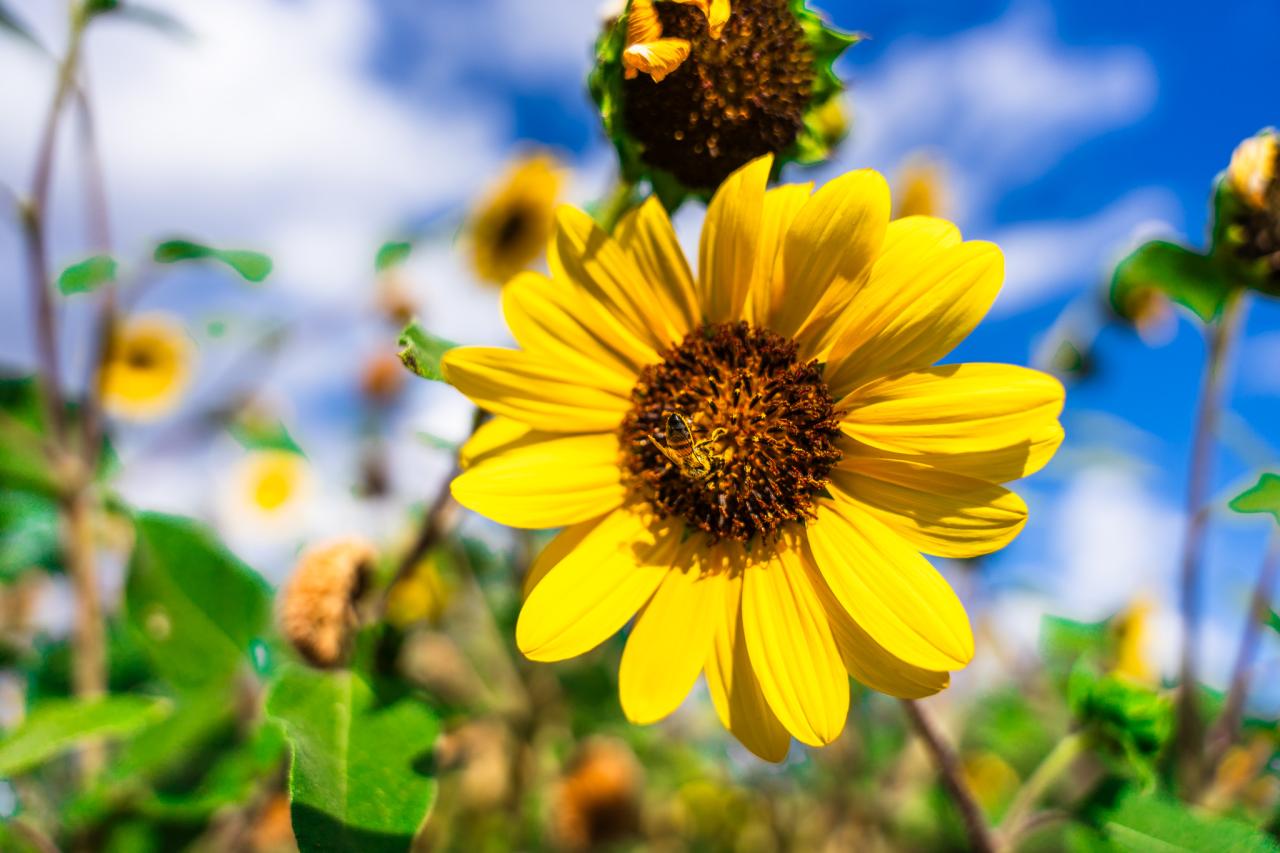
x=777 y=426
x=735 y=98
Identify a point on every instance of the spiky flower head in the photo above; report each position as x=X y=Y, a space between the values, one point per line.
x=690 y=90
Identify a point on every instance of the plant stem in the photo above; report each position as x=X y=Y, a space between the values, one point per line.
x=1060 y=759
x=434 y=523
x=77 y=501
x=33 y=221
x=1227 y=725
x=980 y=835
x=1222 y=337
x=621 y=200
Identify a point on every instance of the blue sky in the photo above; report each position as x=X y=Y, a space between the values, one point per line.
x=316 y=128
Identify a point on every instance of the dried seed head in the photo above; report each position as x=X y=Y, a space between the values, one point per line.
x=318 y=605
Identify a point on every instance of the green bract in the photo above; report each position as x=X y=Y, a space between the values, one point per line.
x=724 y=108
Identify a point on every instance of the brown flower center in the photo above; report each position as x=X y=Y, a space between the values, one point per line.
x=762 y=433
x=735 y=98
x=512 y=229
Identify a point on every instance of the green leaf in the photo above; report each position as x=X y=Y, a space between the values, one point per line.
x=24 y=464
x=421 y=351
x=1186 y=277
x=12 y=24
x=263 y=434
x=56 y=725
x=252 y=266
x=30 y=525
x=392 y=254
x=360 y=778
x=1264 y=496
x=1152 y=823
x=199 y=611
x=88 y=275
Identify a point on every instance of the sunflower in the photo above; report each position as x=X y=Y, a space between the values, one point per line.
x=147 y=367
x=268 y=495
x=690 y=90
x=751 y=462
x=510 y=227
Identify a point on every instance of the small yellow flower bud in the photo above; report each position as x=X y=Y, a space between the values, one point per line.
x=1253 y=167
x=318 y=605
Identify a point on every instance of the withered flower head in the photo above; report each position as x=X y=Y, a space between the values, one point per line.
x=318 y=605
x=598 y=798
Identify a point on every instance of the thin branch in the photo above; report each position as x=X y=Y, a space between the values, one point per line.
x=1056 y=764
x=944 y=757
x=1222 y=338
x=1227 y=726
x=435 y=524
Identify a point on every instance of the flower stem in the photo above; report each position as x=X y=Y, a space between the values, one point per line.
x=1018 y=817
x=980 y=835
x=1227 y=725
x=616 y=206
x=1222 y=338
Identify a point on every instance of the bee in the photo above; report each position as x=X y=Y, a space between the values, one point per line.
x=691 y=458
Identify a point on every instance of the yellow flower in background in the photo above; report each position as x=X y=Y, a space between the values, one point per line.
x=691 y=90
x=1132 y=634
x=419 y=596
x=147 y=368
x=992 y=780
x=1254 y=165
x=921 y=188
x=511 y=226
x=750 y=462
x=268 y=495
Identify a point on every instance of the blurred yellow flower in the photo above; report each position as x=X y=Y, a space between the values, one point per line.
x=268 y=494
x=753 y=460
x=1254 y=166
x=1132 y=633
x=147 y=368
x=419 y=596
x=511 y=226
x=921 y=188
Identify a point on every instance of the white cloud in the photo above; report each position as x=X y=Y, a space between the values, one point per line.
x=1001 y=105
x=267 y=129
x=1043 y=259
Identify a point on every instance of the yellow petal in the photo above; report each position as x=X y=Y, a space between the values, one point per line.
x=493 y=436
x=781 y=204
x=643 y=23
x=868 y=661
x=730 y=240
x=993 y=410
x=827 y=254
x=735 y=690
x=939 y=513
x=716 y=12
x=555 y=551
x=792 y=649
x=549 y=482
x=671 y=639
x=656 y=58
x=646 y=236
x=595 y=588
x=921 y=301
x=594 y=261
x=534 y=391
x=889 y=589
x=562 y=324
x=999 y=465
